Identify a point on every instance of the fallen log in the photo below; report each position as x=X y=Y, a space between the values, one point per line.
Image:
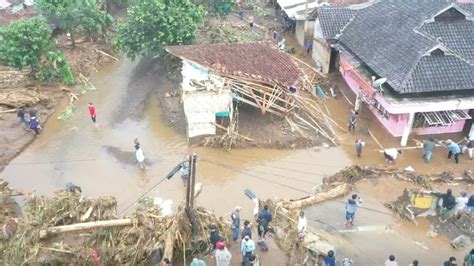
x=331 y=193
x=83 y=226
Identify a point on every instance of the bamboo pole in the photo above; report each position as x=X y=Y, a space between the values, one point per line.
x=404 y=148
x=246 y=93
x=106 y=54
x=83 y=226
x=345 y=97
x=235 y=133
x=375 y=139
x=8 y=111
x=309 y=66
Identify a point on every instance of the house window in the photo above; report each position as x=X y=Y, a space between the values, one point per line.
x=376 y=104
x=439 y=119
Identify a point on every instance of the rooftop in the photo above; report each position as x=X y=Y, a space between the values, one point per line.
x=419 y=46
x=257 y=60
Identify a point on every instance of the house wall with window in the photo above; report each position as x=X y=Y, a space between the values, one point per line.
x=394 y=117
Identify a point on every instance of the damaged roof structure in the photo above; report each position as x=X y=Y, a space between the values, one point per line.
x=257 y=60
x=255 y=73
x=411 y=61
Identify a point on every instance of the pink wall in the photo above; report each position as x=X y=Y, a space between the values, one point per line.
x=395 y=123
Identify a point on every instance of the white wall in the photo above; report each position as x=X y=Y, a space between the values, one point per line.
x=300 y=25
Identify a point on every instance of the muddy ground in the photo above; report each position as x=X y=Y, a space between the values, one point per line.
x=18 y=89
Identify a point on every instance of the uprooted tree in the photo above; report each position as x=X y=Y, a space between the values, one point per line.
x=29 y=43
x=153 y=24
x=73 y=16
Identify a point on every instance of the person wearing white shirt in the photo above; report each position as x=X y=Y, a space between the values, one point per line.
x=302 y=223
x=391 y=261
x=461 y=204
x=140 y=157
x=391 y=154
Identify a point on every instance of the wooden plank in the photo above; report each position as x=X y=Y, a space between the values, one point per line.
x=262 y=109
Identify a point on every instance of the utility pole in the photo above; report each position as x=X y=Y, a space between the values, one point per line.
x=191 y=182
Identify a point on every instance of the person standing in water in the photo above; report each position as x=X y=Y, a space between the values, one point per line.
x=92 y=113
x=140 y=157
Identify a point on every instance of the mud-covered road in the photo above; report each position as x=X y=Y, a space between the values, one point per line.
x=101 y=161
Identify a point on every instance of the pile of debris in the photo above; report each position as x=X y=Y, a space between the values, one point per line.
x=8 y=210
x=68 y=228
x=421 y=203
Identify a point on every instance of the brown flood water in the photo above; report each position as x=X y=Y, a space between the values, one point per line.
x=75 y=151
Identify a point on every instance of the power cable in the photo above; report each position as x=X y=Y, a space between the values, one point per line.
x=273 y=174
x=143 y=195
x=290 y=187
x=258 y=177
x=275 y=167
x=285 y=160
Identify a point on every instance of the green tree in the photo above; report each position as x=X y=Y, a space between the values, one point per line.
x=25 y=42
x=75 y=15
x=29 y=43
x=153 y=24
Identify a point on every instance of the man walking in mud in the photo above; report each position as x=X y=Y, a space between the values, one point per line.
x=428 y=147
x=453 y=149
x=351 y=207
x=92 y=113
x=140 y=157
x=359 y=145
x=352 y=120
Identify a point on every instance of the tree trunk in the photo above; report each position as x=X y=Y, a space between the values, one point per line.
x=83 y=226
x=73 y=40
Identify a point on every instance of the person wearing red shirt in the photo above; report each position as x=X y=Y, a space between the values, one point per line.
x=92 y=112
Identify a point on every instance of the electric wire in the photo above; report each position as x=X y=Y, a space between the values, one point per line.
x=142 y=195
x=255 y=176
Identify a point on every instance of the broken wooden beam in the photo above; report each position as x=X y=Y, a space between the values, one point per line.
x=83 y=226
x=235 y=133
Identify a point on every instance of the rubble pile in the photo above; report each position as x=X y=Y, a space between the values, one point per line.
x=68 y=228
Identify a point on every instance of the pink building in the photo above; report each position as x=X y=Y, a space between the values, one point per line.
x=411 y=62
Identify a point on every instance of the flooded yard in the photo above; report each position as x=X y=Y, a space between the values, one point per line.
x=101 y=160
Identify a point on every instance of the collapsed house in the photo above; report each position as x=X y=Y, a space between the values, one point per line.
x=410 y=62
x=219 y=77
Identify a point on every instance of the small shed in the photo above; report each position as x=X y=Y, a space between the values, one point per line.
x=215 y=76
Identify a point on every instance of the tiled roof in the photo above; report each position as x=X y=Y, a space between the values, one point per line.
x=455 y=35
x=334 y=19
x=257 y=60
x=393 y=38
x=439 y=73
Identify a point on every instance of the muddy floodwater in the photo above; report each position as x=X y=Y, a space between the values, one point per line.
x=101 y=160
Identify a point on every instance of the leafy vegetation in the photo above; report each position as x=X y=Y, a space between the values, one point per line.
x=29 y=43
x=153 y=24
x=75 y=15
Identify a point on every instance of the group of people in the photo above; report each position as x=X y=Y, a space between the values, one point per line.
x=455 y=206
x=468 y=260
x=455 y=149
x=244 y=235
x=32 y=123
